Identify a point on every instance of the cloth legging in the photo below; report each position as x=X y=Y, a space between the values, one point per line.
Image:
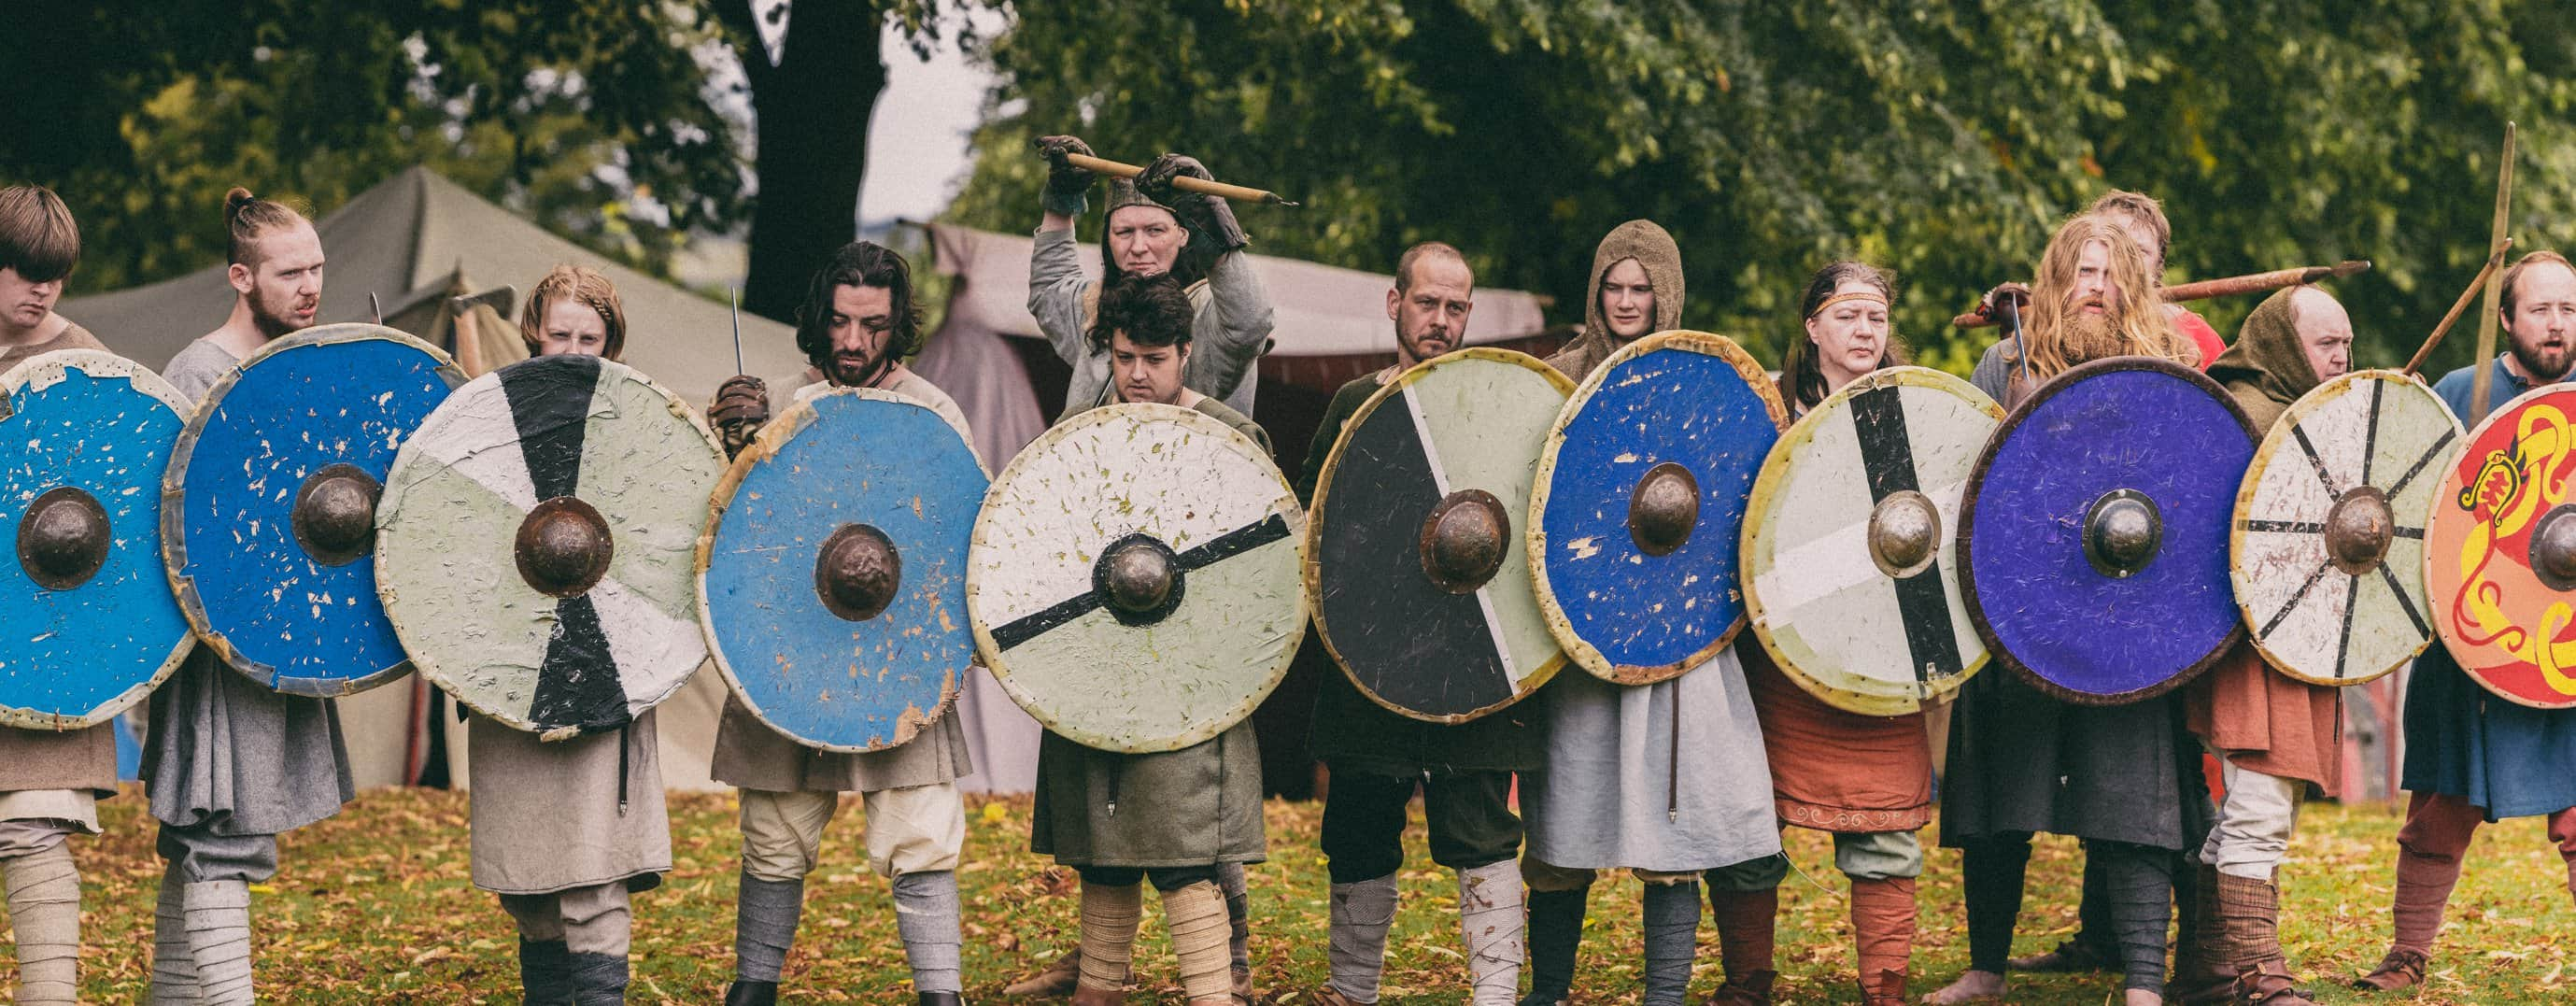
x=2137 y=889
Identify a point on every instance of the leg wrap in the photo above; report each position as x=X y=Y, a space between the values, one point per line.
x=1489 y=916
x=2251 y=910
x=2138 y=881
x=218 y=919
x=1744 y=929
x=764 y=926
x=1992 y=871
x=545 y=971
x=598 y=979
x=1555 y=931
x=1672 y=937
x=174 y=973
x=2429 y=846
x=926 y=916
x=44 y=913
x=1109 y=917
x=1196 y=916
x=1882 y=916
x=1360 y=914
x=1238 y=914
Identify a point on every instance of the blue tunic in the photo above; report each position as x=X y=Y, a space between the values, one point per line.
x=2511 y=760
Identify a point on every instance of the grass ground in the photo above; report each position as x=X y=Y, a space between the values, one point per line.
x=375 y=906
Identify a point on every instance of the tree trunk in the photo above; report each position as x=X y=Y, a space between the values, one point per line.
x=812 y=112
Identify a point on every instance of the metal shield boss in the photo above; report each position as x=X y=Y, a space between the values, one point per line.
x=1851 y=577
x=87 y=622
x=2327 y=551
x=268 y=518
x=1638 y=510
x=2093 y=538
x=537 y=539
x=1135 y=579
x=1417 y=567
x=2500 y=552
x=832 y=575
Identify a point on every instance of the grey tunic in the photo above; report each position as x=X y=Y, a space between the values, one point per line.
x=546 y=816
x=224 y=753
x=1226 y=337
x=750 y=755
x=1607 y=796
x=1192 y=807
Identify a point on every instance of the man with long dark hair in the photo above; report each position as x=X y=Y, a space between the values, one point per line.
x=857 y=324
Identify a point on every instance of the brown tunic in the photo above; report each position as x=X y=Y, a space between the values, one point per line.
x=1834 y=770
x=2262 y=719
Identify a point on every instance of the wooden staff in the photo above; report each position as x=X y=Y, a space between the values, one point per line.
x=1202 y=186
x=2475 y=286
x=2482 y=379
x=2208 y=288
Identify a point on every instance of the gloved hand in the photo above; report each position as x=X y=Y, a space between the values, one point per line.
x=1068 y=188
x=740 y=409
x=1209 y=218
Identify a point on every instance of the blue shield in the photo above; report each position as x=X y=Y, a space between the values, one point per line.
x=833 y=665
x=84 y=636
x=341 y=397
x=1632 y=604
x=2055 y=597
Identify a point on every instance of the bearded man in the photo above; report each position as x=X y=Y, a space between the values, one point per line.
x=858 y=323
x=228 y=763
x=1378 y=758
x=2021 y=761
x=2472 y=758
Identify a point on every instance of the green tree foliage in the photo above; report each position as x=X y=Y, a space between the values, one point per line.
x=1942 y=140
x=142 y=113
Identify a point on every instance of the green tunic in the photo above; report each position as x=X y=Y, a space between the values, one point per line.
x=1352 y=733
x=1196 y=806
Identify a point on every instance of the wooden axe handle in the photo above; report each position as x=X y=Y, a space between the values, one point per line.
x=1202 y=186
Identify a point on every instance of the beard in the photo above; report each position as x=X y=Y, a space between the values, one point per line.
x=2544 y=364
x=849 y=370
x=2084 y=336
x=273 y=320
x=1426 y=346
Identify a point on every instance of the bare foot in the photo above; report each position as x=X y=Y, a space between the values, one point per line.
x=2141 y=997
x=1971 y=987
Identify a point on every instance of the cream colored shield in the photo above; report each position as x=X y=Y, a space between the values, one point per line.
x=1850 y=574
x=2328 y=547
x=1135 y=578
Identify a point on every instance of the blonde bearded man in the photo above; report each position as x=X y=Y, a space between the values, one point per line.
x=2021 y=762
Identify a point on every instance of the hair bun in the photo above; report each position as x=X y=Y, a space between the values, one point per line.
x=236 y=199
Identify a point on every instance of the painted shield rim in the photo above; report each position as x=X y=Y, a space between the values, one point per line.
x=174 y=546
x=765 y=446
x=1314 y=570
x=1968 y=519
x=1581 y=650
x=1204 y=425
x=2451 y=487
x=97 y=363
x=1773 y=481
x=2272 y=444
x=424 y=658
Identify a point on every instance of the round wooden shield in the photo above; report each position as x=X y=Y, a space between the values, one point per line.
x=1134 y=581
x=2093 y=538
x=2500 y=551
x=268 y=506
x=1417 y=575
x=1637 y=512
x=2327 y=551
x=1851 y=579
x=832 y=575
x=536 y=542
x=87 y=622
